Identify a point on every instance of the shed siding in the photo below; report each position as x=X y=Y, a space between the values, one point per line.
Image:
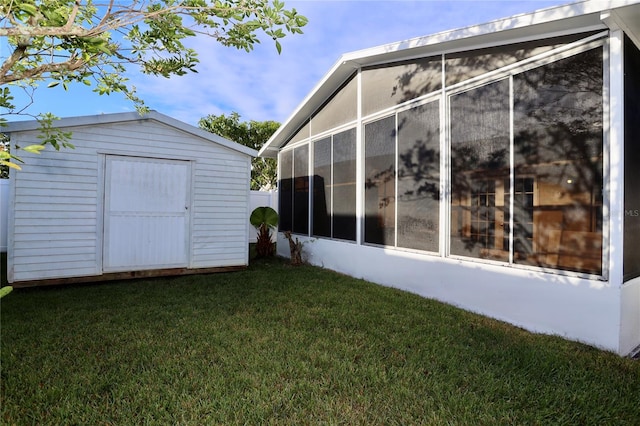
x=56 y=222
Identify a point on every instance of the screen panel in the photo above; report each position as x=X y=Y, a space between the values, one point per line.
x=344 y=185
x=341 y=109
x=465 y=65
x=285 y=189
x=322 y=188
x=480 y=140
x=301 y=190
x=379 y=185
x=419 y=177
x=390 y=85
x=301 y=134
x=558 y=143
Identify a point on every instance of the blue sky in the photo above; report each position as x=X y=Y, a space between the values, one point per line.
x=263 y=85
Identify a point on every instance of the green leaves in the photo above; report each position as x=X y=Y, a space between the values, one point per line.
x=61 y=39
x=264 y=219
x=50 y=135
x=29 y=9
x=264 y=216
x=252 y=134
x=34 y=149
x=65 y=42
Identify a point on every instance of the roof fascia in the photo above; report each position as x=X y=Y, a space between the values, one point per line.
x=571 y=13
x=618 y=20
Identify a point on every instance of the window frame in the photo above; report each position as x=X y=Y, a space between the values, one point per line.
x=594 y=41
x=330 y=134
x=443 y=97
x=386 y=113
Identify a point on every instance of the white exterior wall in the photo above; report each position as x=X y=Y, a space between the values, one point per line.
x=56 y=219
x=574 y=308
x=4 y=212
x=53 y=216
x=630 y=316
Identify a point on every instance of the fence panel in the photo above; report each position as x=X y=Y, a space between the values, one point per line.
x=260 y=199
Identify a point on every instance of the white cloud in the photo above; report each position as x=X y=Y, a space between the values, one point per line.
x=262 y=85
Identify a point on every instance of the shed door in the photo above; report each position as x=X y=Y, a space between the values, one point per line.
x=146 y=217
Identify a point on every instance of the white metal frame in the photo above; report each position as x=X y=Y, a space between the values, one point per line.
x=443 y=96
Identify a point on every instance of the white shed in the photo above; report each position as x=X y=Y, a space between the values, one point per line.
x=138 y=196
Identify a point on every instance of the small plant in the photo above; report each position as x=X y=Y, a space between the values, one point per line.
x=5 y=290
x=264 y=219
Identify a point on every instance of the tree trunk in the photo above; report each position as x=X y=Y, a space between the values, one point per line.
x=296 y=249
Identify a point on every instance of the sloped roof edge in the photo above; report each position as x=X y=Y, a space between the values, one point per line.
x=582 y=15
x=87 y=120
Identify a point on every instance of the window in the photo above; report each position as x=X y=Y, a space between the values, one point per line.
x=558 y=161
x=419 y=177
x=301 y=190
x=285 y=189
x=344 y=185
x=483 y=214
x=525 y=157
x=523 y=217
x=334 y=190
x=293 y=190
x=380 y=181
x=322 y=188
x=480 y=140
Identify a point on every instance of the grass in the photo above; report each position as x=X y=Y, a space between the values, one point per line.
x=281 y=345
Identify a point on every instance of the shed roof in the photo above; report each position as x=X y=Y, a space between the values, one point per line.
x=585 y=15
x=18 y=126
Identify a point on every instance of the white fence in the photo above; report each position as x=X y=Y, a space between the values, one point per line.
x=260 y=199
x=257 y=199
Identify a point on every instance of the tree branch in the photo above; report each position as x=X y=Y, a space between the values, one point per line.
x=18 y=52
x=130 y=17
x=70 y=65
x=72 y=16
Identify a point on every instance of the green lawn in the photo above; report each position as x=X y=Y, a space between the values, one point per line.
x=281 y=345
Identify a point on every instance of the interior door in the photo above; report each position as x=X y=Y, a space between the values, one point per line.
x=146 y=213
